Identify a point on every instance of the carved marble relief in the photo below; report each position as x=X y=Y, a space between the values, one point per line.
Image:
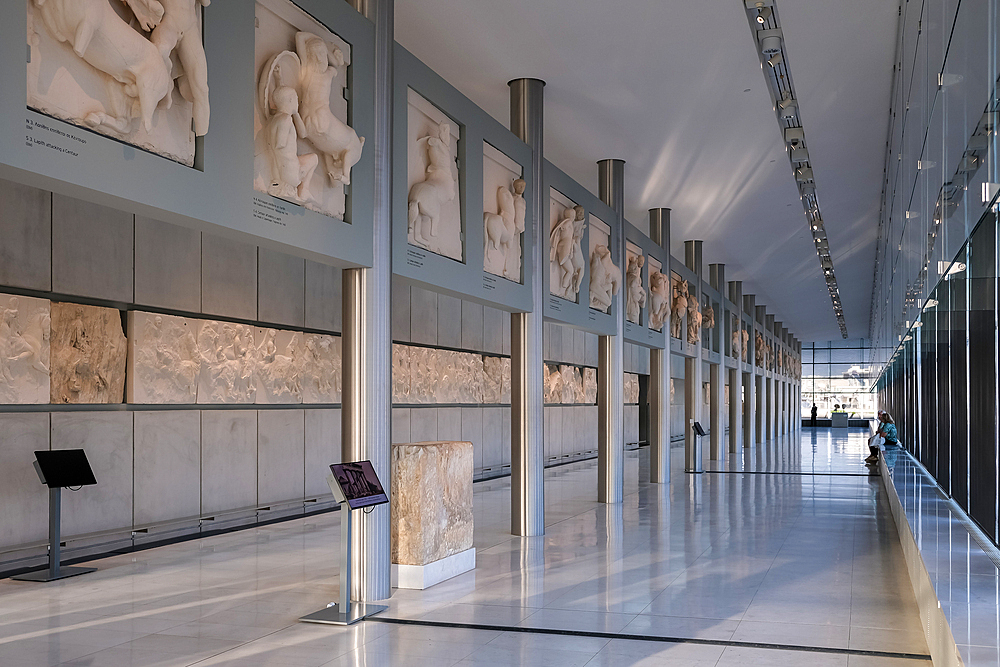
x=631 y=389
x=635 y=293
x=679 y=307
x=280 y=359
x=504 y=215
x=708 y=319
x=434 y=213
x=133 y=70
x=228 y=359
x=89 y=352
x=304 y=149
x=694 y=319
x=427 y=376
x=400 y=373
x=590 y=385
x=322 y=369
x=659 y=300
x=496 y=380
x=567 y=226
x=24 y=350
x=552 y=389
x=761 y=353
x=745 y=336
x=736 y=339
x=163 y=359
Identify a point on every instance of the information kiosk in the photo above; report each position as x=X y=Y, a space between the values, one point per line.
x=57 y=469
x=356 y=487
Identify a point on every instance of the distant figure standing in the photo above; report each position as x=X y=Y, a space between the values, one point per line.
x=812 y=416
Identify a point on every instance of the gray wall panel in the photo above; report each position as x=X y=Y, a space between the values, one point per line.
x=449 y=426
x=167 y=465
x=323 y=296
x=228 y=277
x=472 y=325
x=280 y=455
x=423 y=316
x=281 y=288
x=449 y=324
x=228 y=460
x=26 y=230
x=167 y=265
x=322 y=437
x=492 y=436
x=494 y=322
x=400 y=310
x=25 y=499
x=91 y=249
x=107 y=439
x=423 y=425
x=401 y=425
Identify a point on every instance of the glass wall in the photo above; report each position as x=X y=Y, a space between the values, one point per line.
x=934 y=303
x=837 y=374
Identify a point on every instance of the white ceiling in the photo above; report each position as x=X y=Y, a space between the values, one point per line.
x=660 y=84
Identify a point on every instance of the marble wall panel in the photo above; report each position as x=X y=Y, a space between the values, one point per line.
x=107 y=439
x=400 y=310
x=26 y=230
x=89 y=352
x=423 y=424
x=401 y=425
x=167 y=265
x=324 y=296
x=228 y=277
x=553 y=379
x=449 y=321
x=572 y=381
x=228 y=460
x=494 y=323
x=401 y=373
x=163 y=359
x=631 y=388
x=321 y=370
x=323 y=438
x=449 y=423
x=472 y=326
x=492 y=379
x=281 y=288
x=505 y=436
x=25 y=498
x=505 y=386
x=472 y=431
x=445 y=376
x=492 y=437
x=92 y=250
x=167 y=465
x=24 y=350
x=280 y=455
x=423 y=316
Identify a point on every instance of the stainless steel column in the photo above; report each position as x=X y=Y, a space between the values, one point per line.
x=768 y=322
x=527 y=456
x=611 y=353
x=693 y=372
x=717 y=372
x=659 y=370
x=779 y=406
x=367 y=338
x=750 y=380
x=735 y=374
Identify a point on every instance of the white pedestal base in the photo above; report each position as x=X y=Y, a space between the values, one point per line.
x=424 y=576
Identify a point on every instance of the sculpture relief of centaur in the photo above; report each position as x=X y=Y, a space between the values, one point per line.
x=437 y=188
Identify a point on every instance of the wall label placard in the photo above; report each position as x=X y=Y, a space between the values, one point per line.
x=270 y=211
x=42 y=135
x=415 y=258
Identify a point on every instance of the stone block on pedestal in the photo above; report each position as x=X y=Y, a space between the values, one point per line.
x=432 y=525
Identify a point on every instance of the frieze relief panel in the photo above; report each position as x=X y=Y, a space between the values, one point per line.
x=88 y=354
x=24 y=350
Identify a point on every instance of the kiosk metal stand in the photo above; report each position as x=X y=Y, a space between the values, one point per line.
x=57 y=469
x=352 y=489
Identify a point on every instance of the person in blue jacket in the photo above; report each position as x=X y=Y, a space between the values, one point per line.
x=887 y=429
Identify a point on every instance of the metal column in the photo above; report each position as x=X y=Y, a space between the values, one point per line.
x=527 y=456
x=750 y=408
x=693 y=372
x=367 y=337
x=735 y=374
x=611 y=353
x=659 y=370
x=717 y=372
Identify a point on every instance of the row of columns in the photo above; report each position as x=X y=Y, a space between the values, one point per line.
x=367 y=399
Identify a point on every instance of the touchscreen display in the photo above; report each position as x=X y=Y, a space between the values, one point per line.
x=359 y=483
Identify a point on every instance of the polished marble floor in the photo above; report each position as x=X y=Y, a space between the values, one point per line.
x=780 y=549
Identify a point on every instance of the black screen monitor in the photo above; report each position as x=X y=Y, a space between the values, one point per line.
x=65 y=467
x=359 y=483
x=698 y=430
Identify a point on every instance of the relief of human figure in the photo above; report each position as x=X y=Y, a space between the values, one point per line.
x=708 y=318
x=577 y=259
x=175 y=26
x=745 y=338
x=338 y=142
x=561 y=250
x=635 y=297
x=659 y=299
x=679 y=307
x=605 y=278
x=437 y=188
x=290 y=172
x=694 y=321
x=736 y=342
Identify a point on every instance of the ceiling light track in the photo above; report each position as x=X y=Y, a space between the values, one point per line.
x=762 y=16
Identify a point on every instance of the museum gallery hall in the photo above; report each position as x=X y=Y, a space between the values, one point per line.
x=420 y=332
